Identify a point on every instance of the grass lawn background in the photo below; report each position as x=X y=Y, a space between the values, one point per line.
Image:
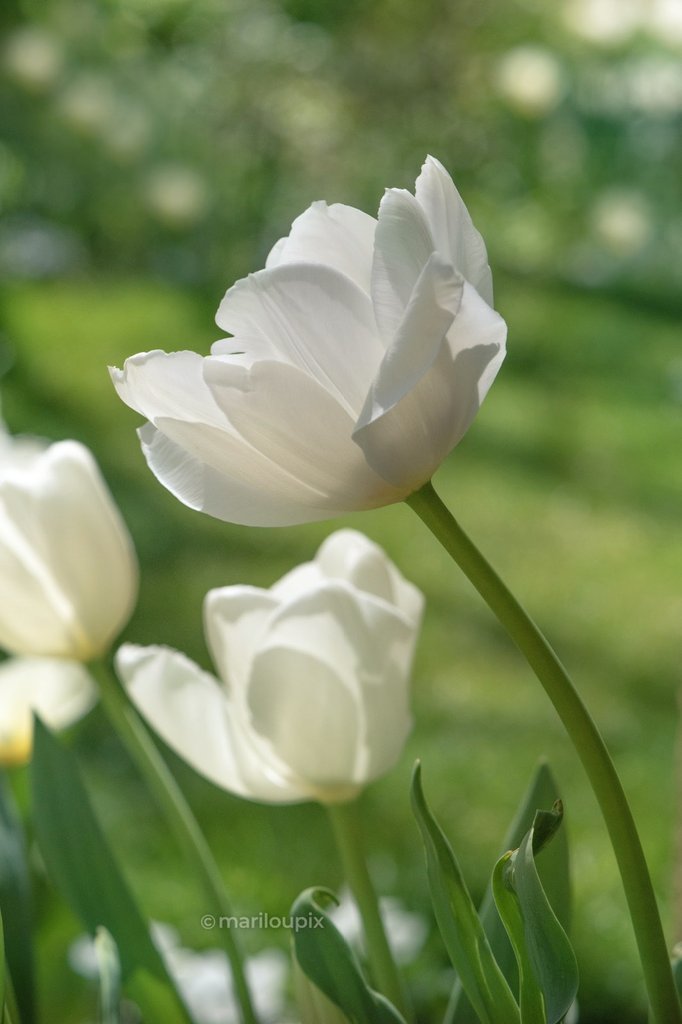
x=568 y=481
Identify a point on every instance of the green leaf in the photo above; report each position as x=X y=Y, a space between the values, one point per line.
x=460 y=926
x=328 y=961
x=530 y=995
x=15 y=901
x=553 y=867
x=81 y=864
x=547 y=965
x=312 y=1004
x=2 y=965
x=109 y=971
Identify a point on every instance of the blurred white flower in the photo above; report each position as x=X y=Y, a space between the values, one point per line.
x=68 y=574
x=530 y=80
x=622 y=221
x=58 y=690
x=176 y=195
x=406 y=931
x=203 y=978
x=664 y=21
x=313 y=702
x=87 y=103
x=604 y=22
x=33 y=58
x=360 y=357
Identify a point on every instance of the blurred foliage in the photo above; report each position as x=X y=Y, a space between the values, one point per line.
x=152 y=152
x=175 y=137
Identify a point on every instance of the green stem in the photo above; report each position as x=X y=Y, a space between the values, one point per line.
x=589 y=745
x=179 y=819
x=347 y=833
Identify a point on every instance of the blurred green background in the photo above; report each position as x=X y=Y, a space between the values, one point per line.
x=152 y=152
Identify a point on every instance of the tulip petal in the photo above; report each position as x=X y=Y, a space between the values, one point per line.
x=402 y=247
x=406 y=442
x=452 y=229
x=366 y=649
x=351 y=556
x=59 y=525
x=58 y=690
x=235 y=621
x=338 y=236
x=256 y=501
x=311 y=317
x=192 y=714
x=168 y=384
x=285 y=415
x=310 y=718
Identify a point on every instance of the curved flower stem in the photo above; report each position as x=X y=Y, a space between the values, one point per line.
x=179 y=819
x=588 y=743
x=347 y=833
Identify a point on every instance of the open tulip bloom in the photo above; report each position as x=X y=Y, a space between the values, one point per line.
x=359 y=358
x=312 y=702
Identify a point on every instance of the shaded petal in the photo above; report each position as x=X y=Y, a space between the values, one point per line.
x=286 y=415
x=248 y=488
x=312 y=721
x=58 y=690
x=61 y=534
x=331 y=659
x=350 y=555
x=338 y=236
x=452 y=229
x=312 y=317
x=407 y=442
x=402 y=247
x=387 y=718
x=235 y=623
x=191 y=712
x=298 y=581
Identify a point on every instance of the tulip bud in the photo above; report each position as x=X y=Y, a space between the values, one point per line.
x=68 y=573
x=312 y=702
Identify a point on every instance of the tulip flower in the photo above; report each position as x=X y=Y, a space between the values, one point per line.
x=68 y=574
x=358 y=359
x=58 y=690
x=312 y=701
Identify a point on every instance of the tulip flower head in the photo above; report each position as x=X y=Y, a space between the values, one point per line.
x=68 y=574
x=358 y=359
x=312 y=699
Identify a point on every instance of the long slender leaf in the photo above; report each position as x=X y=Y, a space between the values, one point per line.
x=554 y=869
x=2 y=965
x=15 y=901
x=326 y=958
x=460 y=926
x=532 y=1003
x=81 y=864
x=546 y=960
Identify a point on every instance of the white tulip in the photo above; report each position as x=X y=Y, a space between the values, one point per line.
x=359 y=358
x=58 y=690
x=68 y=574
x=312 y=702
